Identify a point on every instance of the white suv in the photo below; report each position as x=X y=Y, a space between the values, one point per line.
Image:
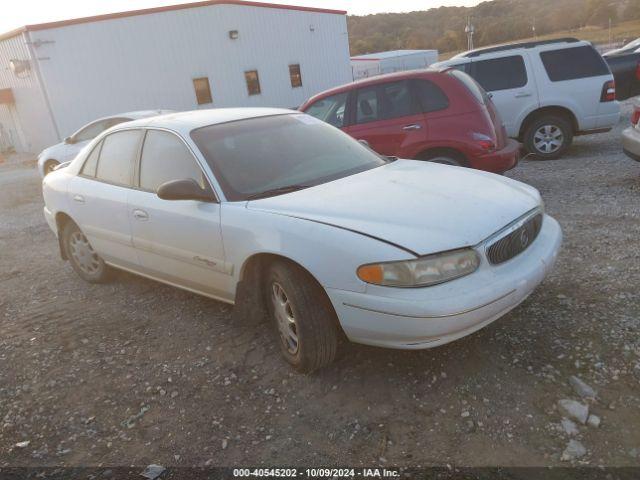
x=546 y=92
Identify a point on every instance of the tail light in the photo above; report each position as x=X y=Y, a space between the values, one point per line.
x=635 y=115
x=608 y=91
x=484 y=142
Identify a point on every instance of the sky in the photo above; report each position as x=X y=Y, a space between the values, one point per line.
x=17 y=13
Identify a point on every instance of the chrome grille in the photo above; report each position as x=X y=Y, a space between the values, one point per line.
x=515 y=242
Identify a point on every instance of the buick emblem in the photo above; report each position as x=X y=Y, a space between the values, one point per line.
x=524 y=239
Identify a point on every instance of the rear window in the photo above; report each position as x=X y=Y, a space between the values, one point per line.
x=573 y=63
x=470 y=84
x=430 y=96
x=500 y=73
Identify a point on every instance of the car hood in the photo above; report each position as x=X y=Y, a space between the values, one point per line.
x=51 y=149
x=422 y=207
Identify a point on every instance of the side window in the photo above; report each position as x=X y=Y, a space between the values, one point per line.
x=203 y=90
x=91 y=163
x=367 y=105
x=395 y=100
x=295 y=75
x=118 y=154
x=253 y=82
x=573 y=63
x=500 y=73
x=166 y=158
x=430 y=96
x=330 y=109
x=91 y=131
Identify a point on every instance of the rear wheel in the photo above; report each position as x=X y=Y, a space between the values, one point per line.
x=303 y=316
x=548 y=137
x=444 y=158
x=84 y=259
x=49 y=166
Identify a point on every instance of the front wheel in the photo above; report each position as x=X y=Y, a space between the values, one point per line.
x=548 y=137
x=303 y=316
x=84 y=259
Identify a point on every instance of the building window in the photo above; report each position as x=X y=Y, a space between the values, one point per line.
x=295 y=75
x=203 y=91
x=253 y=82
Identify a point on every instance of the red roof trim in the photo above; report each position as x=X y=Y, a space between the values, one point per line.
x=168 y=8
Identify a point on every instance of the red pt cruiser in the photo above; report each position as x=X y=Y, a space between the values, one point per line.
x=440 y=116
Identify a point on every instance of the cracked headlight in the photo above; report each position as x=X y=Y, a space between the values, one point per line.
x=421 y=272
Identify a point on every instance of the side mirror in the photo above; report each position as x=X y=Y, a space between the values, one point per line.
x=69 y=141
x=184 y=190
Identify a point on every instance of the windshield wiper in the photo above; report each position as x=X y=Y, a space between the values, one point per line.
x=277 y=191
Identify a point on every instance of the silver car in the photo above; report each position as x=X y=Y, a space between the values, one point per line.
x=631 y=136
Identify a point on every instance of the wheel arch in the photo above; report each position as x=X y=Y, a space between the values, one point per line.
x=62 y=219
x=548 y=110
x=250 y=294
x=436 y=151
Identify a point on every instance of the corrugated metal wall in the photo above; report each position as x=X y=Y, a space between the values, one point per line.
x=149 y=61
x=26 y=124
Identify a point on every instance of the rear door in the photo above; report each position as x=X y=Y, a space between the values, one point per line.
x=512 y=90
x=389 y=118
x=575 y=77
x=98 y=196
x=178 y=241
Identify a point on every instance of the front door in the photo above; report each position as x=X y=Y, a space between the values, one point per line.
x=389 y=119
x=178 y=241
x=512 y=89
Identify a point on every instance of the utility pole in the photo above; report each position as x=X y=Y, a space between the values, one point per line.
x=533 y=27
x=469 y=30
x=609 y=32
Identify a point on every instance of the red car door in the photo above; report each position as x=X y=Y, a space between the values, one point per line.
x=388 y=117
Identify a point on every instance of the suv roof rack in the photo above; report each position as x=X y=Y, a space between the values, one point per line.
x=511 y=46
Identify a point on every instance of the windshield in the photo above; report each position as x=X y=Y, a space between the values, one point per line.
x=259 y=155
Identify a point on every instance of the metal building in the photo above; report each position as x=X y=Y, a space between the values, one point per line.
x=56 y=77
x=373 y=64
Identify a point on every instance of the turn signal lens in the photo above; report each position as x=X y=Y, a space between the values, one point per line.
x=635 y=116
x=422 y=272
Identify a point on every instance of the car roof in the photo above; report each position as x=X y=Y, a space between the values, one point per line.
x=422 y=73
x=517 y=46
x=187 y=121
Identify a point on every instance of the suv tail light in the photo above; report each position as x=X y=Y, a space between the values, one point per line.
x=635 y=115
x=608 y=91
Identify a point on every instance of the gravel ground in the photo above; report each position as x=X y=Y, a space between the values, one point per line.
x=135 y=372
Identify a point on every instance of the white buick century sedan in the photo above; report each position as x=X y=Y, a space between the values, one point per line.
x=289 y=218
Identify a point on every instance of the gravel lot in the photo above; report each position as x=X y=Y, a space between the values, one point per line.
x=136 y=372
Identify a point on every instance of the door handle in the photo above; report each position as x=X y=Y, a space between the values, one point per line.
x=140 y=214
x=78 y=198
x=523 y=94
x=414 y=126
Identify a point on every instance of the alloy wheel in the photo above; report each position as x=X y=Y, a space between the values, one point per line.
x=548 y=139
x=287 y=324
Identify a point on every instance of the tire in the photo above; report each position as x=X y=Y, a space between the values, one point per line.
x=444 y=159
x=548 y=137
x=49 y=166
x=299 y=308
x=84 y=260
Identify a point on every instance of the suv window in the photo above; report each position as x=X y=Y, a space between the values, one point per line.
x=164 y=158
x=500 y=73
x=117 y=156
x=430 y=96
x=330 y=109
x=573 y=63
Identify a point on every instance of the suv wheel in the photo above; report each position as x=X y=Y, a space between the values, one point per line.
x=84 y=259
x=303 y=316
x=548 y=137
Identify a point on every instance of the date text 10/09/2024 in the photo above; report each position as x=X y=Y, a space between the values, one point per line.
x=316 y=472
